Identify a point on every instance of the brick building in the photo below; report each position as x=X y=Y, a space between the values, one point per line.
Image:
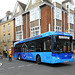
x=48 y=15
x=38 y=18
x=69 y=6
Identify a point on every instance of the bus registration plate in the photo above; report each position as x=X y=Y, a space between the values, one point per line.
x=65 y=61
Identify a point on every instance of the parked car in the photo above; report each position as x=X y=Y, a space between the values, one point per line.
x=1 y=56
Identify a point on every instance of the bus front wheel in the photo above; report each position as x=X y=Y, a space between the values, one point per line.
x=38 y=60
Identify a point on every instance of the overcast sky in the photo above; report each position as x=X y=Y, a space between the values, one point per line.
x=6 y=5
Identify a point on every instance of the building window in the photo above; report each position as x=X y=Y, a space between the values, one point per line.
x=8 y=37
x=4 y=38
x=35 y=31
x=19 y=35
x=5 y=47
x=58 y=28
x=18 y=21
x=4 y=28
x=8 y=27
x=57 y=13
x=71 y=31
x=70 y=6
x=33 y=1
x=70 y=18
x=17 y=9
x=35 y=14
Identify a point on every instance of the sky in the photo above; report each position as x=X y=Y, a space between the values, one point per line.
x=6 y=5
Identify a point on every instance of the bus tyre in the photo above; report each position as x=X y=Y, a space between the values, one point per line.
x=38 y=60
x=19 y=58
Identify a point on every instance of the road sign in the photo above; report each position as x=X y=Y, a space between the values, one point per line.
x=66 y=31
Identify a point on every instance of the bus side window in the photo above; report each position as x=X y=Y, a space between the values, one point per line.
x=47 y=45
x=18 y=48
x=64 y=48
x=24 y=47
x=39 y=46
x=31 y=46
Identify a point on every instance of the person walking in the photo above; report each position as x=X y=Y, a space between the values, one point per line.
x=10 y=55
x=6 y=53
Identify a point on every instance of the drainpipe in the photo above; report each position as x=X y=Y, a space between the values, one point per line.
x=64 y=21
x=51 y=20
x=49 y=27
x=26 y=27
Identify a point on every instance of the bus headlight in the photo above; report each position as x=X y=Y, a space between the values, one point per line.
x=57 y=57
x=73 y=56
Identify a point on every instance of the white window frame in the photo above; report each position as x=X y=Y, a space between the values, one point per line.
x=18 y=35
x=8 y=37
x=70 y=6
x=18 y=21
x=8 y=27
x=34 y=14
x=70 y=18
x=4 y=28
x=18 y=9
x=33 y=1
x=4 y=38
x=33 y=31
x=58 y=28
x=57 y=13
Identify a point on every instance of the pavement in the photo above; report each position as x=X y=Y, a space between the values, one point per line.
x=23 y=67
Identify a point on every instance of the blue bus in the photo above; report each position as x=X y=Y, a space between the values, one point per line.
x=49 y=47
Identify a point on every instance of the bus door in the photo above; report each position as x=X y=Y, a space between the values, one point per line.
x=74 y=47
x=47 y=49
x=31 y=50
x=24 y=47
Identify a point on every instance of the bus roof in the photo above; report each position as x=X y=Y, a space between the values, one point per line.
x=42 y=36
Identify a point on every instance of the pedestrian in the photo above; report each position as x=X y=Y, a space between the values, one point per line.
x=10 y=55
x=6 y=53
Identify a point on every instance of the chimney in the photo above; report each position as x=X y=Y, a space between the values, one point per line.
x=8 y=13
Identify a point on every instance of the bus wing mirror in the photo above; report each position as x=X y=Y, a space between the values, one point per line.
x=38 y=50
x=71 y=39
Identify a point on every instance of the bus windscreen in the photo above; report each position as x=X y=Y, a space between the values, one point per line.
x=62 y=44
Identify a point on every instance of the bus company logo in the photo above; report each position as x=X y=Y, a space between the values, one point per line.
x=65 y=55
